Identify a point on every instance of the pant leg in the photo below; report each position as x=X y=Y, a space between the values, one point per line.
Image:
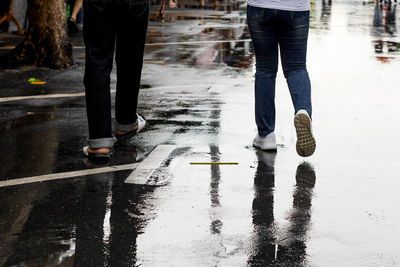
x=132 y=20
x=293 y=35
x=262 y=26
x=99 y=36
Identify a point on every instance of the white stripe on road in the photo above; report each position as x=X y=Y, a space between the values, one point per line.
x=189 y=43
x=16 y=98
x=143 y=172
x=171 y=43
x=199 y=42
x=64 y=175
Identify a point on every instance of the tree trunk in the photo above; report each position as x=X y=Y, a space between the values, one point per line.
x=47 y=43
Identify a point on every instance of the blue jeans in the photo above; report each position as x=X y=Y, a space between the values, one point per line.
x=287 y=30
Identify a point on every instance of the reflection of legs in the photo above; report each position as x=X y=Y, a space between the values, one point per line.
x=124 y=225
x=263 y=247
x=294 y=249
x=130 y=212
x=90 y=248
x=216 y=223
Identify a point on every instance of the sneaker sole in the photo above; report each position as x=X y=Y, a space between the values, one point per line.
x=305 y=145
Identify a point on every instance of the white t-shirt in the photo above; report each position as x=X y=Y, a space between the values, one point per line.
x=290 y=5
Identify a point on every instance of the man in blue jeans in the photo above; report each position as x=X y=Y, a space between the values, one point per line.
x=282 y=24
x=109 y=25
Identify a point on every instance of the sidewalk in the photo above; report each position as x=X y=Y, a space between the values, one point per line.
x=338 y=207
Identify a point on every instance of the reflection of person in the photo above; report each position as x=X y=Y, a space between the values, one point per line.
x=108 y=223
x=123 y=25
x=390 y=22
x=282 y=24
x=326 y=12
x=289 y=247
x=377 y=15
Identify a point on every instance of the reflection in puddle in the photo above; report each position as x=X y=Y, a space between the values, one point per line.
x=29 y=119
x=384 y=30
x=204 y=38
x=386 y=46
x=288 y=248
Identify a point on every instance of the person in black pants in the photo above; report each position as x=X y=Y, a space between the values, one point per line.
x=109 y=25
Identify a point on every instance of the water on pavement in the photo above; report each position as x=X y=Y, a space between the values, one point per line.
x=338 y=207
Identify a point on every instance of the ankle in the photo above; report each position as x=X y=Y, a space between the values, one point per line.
x=133 y=129
x=103 y=150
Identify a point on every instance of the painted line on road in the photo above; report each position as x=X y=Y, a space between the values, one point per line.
x=199 y=42
x=16 y=98
x=189 y=43
x=142 y=173
x=64 y=175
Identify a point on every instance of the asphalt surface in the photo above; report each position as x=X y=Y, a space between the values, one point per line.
x=338 y=207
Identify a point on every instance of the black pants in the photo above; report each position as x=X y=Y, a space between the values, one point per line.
x=109 y=24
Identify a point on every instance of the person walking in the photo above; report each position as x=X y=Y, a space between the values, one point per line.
x=109 y=24
x=281 y=25
x=72 y=21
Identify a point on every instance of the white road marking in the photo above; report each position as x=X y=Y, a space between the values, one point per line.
x=171 y=43
x=189 y=43
x=143 y=172
x=64 y=175
x=16 y=98
x=199 y=42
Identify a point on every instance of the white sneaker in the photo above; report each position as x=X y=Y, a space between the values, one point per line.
x=305 y=145
x=267 y=142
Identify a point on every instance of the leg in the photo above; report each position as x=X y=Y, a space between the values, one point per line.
x=293 y=34
x=3 y=19
x=77 y=7
x=132 y=21
x=99 y=39
x=263 y=33
x=20 y=31
x=72 y=26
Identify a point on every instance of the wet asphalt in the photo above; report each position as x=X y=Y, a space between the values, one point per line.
x=337 y=207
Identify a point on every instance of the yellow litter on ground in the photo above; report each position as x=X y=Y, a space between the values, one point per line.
x=35 y=81
x=38 y=82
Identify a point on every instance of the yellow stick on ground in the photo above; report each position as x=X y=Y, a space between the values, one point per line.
x=38 y=82
x=214 y=163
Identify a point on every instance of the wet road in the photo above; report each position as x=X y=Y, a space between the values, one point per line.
x=338 y=207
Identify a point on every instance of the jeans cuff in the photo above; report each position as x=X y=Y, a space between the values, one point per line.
x=101 y=142
x=125 y=127
x=264 y=133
